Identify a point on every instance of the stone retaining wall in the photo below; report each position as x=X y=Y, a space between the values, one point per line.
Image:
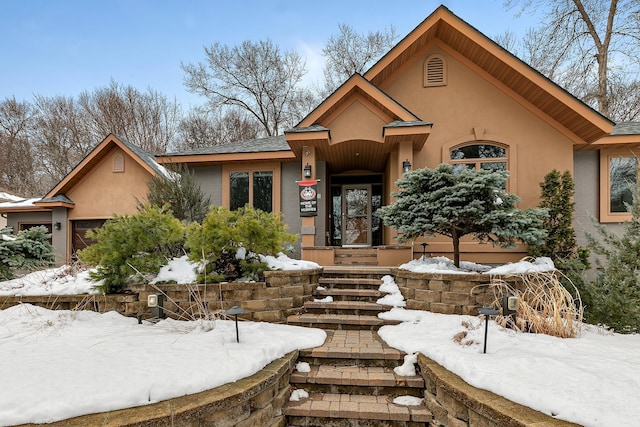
x=454 y=403
x=281 y=294
x=250 y=402
x=449 y=293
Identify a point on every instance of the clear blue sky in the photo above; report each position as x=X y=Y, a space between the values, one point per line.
x=64 y=47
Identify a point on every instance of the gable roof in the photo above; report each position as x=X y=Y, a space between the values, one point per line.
x=542 y=96
x=356 y=84
x=144 y=159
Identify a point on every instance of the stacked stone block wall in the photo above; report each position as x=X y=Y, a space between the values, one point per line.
x=281 y=293
x=450 y=293
x=454 y=403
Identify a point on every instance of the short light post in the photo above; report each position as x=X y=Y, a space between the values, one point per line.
x=235 y=310
x=156 y=304
x=487 y=312
x=424 y=250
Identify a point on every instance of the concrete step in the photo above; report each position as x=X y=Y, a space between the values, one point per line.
x=339 y=321
x=337 y=410
x=353 y=347
x=368 y=295
x=367 y=380
x=349 y=283
x=345 y=307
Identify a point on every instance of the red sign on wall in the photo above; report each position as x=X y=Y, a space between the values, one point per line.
x=308 y=192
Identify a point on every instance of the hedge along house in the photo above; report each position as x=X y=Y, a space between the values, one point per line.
x=444 y=94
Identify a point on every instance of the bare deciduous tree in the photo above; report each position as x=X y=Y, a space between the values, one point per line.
x=61 y=136
x=254 y=77
x=202 y=128
x=590 y=47
x=146 y=119
x=350 y=52
x=16 y=156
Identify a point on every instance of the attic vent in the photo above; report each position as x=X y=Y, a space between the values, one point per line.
x=435 y=71
x=118 y=163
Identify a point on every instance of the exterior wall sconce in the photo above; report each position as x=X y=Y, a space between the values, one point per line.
x=406 y=166
x=57 y=225
x=307 y=171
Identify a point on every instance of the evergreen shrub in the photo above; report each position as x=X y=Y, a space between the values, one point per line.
x=457 y=202
x=229 y=242
x=28 y=250
x=129 y=246
x=556 y=196
x=614 y=299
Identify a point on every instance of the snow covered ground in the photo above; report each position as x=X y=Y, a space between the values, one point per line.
x=60 y=364
x=51 y=361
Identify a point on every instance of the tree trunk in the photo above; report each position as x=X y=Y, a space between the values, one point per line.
x=456 y=248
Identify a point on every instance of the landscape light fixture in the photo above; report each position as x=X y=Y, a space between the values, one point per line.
x=424 y=249
x=58 y=225
x=487 y=312
x=307 y=171
x=156 y=303
x=235 y=310
x=406 y=166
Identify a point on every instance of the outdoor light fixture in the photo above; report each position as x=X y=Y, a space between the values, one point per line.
x=424 y=249
x=510 y=305
x=406 y=166
x=58 y=225
x=487 y=312
x=156 y=304
x=235 y=310
x=307 y=171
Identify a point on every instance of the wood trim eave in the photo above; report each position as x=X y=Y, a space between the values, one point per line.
x=515 y=96
x=307 y=136
x=55 y=205
x=442 y=16
x=227 y=157
x=24 y=209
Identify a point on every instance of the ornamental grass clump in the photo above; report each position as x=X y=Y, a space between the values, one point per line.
x=545 y=305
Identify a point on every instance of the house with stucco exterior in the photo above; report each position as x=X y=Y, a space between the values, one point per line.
x=445 y=93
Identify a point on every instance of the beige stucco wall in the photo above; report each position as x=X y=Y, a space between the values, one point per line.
x=469 y=101
x=471 y=108
x=102 y=192
x=357 y=121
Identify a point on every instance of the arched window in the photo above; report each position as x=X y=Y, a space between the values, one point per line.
x=118 y=163
x=480 y=156
x=435 y=71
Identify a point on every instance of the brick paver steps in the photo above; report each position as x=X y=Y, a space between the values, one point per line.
x=345 y=307
x=349 y=282
x=353 y=347
x=368 y=295
x=339 y=321
x=319 y=406
x=351 y=381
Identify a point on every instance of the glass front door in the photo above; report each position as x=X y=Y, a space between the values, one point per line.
x=356 y=215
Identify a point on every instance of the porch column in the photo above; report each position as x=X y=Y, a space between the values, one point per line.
x=404 y=154
x=308 y=230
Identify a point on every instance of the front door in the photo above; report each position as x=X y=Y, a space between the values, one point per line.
x=356 y=215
